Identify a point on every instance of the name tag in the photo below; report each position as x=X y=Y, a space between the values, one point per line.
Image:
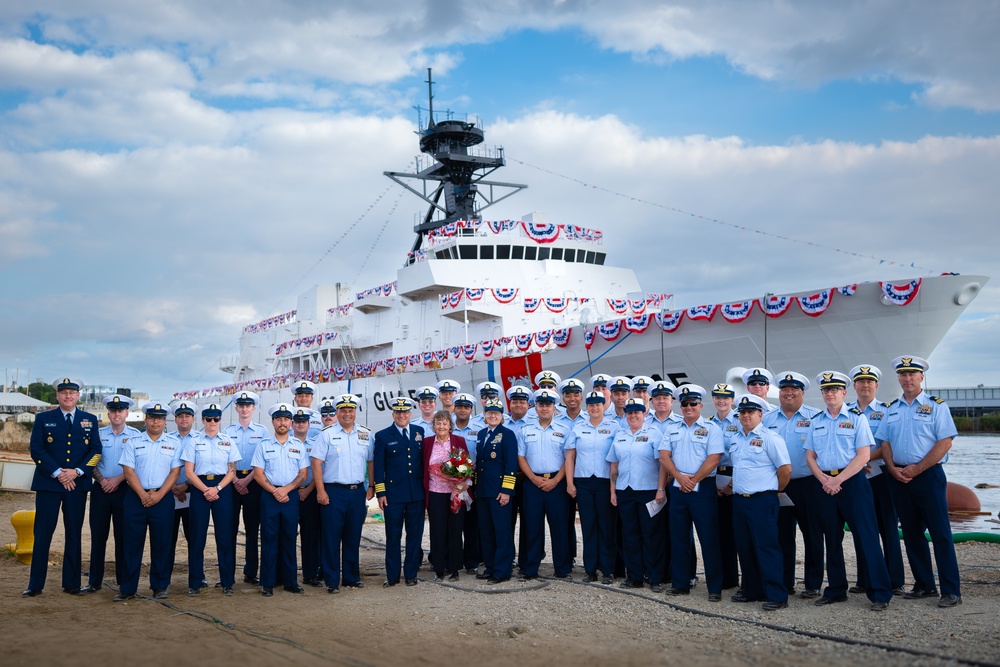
x=893 y=417
x=819 y=432
x=201 y=447
x=270 y=454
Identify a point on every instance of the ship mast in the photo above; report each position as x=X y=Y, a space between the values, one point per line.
x=453 y=186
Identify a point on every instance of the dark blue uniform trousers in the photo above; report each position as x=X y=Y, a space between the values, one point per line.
x=854 y=505
x=804 y=492
x=342 y=522
x=539 y=506
x=397 y=516
x=727 y=542
x=446 y=533
x=888 y=530
x=922 y=504
x=755 y=525
x=249 y=504
x=279 y=526
x=597 y=523
x=309 y=535
x=48 y=504
x=182 y=517
x=701 y=509
x=221 y=513
x=106 y=512
x=497 y=536
x=642 y=536
x=159 y=520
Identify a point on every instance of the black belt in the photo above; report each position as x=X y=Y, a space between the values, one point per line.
x=210 y=478
x=724 y=470
x=150 y=490
x=549 y=475
x=751 y=495
x=834 y=472
x=243 y=473
x=349 y=487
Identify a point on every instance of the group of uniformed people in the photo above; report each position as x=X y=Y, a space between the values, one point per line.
x=643 y=478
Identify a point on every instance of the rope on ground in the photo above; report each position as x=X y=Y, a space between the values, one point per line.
x=491 y=589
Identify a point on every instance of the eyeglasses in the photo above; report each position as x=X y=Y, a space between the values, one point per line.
x=757 y=383
x=211 y=419
x=689 y=404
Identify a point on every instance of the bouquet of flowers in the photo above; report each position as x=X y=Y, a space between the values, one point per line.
x=459 y=469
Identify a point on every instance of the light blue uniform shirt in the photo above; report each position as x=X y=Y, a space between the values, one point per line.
x=794 y=432
x=111 y=449
x=184 y=440
x=543 y=448
x=477 y=423
x=836 y=439
x=345 y=456
x=246 y=440
x=912 y=429
x=592 y=444
x=210 y=456
x=756 y=457
x=428 y=426
x=281 y=463
x=469 y=433
x=309 y=444
x=729 y=426
x=638 y=458
x=152 y=460
x=873 y=412
x=689 y=446
x=664 y=425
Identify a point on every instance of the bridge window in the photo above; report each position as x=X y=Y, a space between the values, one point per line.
x=503 y=252
x=486 y=252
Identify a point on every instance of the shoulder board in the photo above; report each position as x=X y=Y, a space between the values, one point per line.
x=364 y=428
x=855 y=411
x=892 y=403
x=936 y=399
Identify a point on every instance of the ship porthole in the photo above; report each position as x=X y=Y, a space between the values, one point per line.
x=968 y=292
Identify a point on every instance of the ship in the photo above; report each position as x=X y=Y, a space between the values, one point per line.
x=479 y=299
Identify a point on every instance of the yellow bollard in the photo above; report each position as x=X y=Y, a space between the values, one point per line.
x=24 y=524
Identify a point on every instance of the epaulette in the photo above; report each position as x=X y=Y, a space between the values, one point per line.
x=892 y=403
x=326 y=427
x=936 y=399
x=855 y=411
x=363 y=428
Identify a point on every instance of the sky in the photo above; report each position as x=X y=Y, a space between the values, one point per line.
x=173 y=171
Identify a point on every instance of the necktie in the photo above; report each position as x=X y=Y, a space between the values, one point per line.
x=69 y=421
x=406 y=436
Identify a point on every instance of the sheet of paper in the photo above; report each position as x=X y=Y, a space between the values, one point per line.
x=677 y=485
x=722 y=481
x=784 y=500
x=655 y=507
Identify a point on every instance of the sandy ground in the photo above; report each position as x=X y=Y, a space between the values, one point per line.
x=547 y=622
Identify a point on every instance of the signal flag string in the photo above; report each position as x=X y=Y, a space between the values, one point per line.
x=715 y=220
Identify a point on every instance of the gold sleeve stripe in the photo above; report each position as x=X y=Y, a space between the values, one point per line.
x=507 y=485
x=380 y=488
x=93 y=461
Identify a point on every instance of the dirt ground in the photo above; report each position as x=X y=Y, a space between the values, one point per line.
x=547 y=622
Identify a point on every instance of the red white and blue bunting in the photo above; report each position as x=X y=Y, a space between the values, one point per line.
x=538 y=232
x=815 y=305
x=276 y=321
x=382 y=290
x=736 y=312
x=902 y=294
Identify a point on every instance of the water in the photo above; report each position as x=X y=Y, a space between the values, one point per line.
x=975 y=459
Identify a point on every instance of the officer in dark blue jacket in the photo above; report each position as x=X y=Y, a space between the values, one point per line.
x=399 y=486
x=65 y=445
x=496 y=460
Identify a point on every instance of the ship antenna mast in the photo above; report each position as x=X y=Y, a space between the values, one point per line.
x=453 y=184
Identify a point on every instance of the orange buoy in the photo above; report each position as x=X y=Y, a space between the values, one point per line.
x=962 y=499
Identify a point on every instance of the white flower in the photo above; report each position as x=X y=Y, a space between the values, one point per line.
x=463 y=468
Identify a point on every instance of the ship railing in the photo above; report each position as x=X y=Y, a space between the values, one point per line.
x=438 y=240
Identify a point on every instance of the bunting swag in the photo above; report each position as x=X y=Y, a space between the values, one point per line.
x=816 y=304
x=812 y=305
x=504 y=294
x=538 y=232
x=541 y=232
x=902 y=294
x=736 y=312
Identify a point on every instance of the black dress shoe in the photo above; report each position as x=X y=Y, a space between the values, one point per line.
x=293 y=589
x=628 y=583
x=879 y=605
x=315 y=583
x=497 y=580
x=30 y=593
x=267 y=591
x=773 y=605
x=484 y=576
x=856 y=589
x=192 y=592
x=809 y=593
x=679 y=591
x=412 y=581
x=715 y=597
x=228 y=590
x=656 y=588
x=589 y=578
x=453 y=577
x=564 y=575
x=898 y=591
x=389 y=582
x=950 y=601
x=72 y=591
x=528 y=577
x=354 y=584
x=823 y=601
x=89 y=588
x=920 y=593
x=250 y=579
x=740 y=597
x=161 y=594
x=608 y=579
x=471 y=570
x=333 y=589
x=123 y=597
